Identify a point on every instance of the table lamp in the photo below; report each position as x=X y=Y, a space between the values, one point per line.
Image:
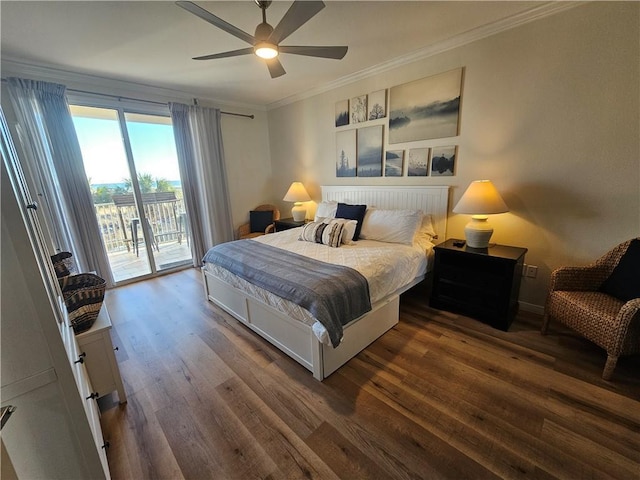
x=480 y=200
x=297 y=194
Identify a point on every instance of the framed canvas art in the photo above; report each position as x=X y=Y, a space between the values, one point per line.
x=418 y=162
x=342 y=113
x=426 y=108
x=443 y=161
x=346 y=153
x=377 y=105
x=394 y=163
x=358 y=109
x=370 y=151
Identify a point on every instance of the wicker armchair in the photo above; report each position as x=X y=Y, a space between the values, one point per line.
x=244 y=231
x=575 y=300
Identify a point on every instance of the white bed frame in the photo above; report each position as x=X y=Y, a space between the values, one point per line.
x=297 y=339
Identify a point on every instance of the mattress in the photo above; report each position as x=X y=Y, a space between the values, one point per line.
x=386 y=266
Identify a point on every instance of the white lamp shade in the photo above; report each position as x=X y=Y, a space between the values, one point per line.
x=298 y=194
x=479 y=200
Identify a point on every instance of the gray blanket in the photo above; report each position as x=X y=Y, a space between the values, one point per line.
x=334 y=294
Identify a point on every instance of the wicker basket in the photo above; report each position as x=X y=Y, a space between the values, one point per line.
x=63 y=264
x=83 y=295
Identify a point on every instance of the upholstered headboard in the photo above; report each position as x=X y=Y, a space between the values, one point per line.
x=431 y=199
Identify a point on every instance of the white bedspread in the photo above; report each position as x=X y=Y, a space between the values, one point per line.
x=386 y=266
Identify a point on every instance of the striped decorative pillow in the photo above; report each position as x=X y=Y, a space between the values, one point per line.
x=326 y=233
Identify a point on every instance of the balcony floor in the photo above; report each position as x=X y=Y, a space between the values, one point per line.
x=126 y=265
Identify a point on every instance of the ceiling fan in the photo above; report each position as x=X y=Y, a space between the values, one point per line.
x=266 y=40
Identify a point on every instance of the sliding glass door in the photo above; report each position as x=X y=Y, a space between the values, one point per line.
x=132 y=168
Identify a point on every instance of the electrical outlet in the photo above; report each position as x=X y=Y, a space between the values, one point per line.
x=531 y=271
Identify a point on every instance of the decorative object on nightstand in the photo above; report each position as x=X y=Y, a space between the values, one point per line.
x=297 y=194
x=480 y=200
x=480 y=283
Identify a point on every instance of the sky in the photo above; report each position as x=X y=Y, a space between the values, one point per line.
x=104 y=153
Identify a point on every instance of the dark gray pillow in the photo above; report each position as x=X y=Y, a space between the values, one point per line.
x=260 y=220
x=624 y=281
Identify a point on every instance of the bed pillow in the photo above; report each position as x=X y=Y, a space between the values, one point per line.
x=325 y=233
x=352 y=212
x=392 y=226
x=260 y=220
x=348 y=228
x=325 y=210
x=426 y=230
x=624 y=281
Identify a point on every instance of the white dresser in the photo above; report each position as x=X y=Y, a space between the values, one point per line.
x=97 y=346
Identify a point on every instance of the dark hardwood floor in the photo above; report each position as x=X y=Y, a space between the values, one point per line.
x=438 y=396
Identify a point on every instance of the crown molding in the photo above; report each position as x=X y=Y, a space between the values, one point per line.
x=93 y=84
x=508 y=23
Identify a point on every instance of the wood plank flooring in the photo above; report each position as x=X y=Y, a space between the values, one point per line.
x=438 y=396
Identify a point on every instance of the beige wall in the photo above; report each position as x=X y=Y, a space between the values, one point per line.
x=550 y=113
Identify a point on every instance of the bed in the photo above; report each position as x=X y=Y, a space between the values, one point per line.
x=293 y=329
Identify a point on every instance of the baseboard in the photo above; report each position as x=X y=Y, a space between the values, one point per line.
x=530 y=307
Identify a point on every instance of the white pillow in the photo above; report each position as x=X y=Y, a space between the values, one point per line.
x=348 y=228
x=426 y=230
x=392 y=226
x=325 y=210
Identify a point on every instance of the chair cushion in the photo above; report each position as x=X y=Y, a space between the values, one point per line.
x=624 y=281
x=260 y=220
x=352 y=212
x=593 y=314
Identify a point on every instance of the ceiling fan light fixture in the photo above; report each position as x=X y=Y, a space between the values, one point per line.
x=266 y=50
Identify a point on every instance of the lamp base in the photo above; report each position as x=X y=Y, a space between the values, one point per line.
x=298 y=212
x=478 y=232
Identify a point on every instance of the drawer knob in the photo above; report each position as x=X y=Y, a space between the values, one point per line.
x=93 y=395
x=116 y=349
x=106 y=445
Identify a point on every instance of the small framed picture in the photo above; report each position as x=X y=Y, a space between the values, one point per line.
x=443 y=161
x=377 y=105
x=418 y=162
x=394 y=163
x=342 y=113
x=358 y=109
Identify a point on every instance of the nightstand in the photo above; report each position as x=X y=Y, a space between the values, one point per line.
x=482 y=283
x=287 y=223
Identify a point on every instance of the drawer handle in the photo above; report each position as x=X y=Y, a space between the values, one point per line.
x=81 y=358
x=32 y=206
x=106 y=445
x=93 y=395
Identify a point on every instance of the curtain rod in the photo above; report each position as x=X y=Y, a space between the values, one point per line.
x=120 y=97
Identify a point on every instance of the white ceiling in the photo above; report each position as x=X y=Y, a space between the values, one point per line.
x=151 y=43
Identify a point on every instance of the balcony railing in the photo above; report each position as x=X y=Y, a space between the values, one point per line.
x=166 y=219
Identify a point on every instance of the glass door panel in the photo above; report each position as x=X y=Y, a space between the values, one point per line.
x=156 y=163
x=110 y=179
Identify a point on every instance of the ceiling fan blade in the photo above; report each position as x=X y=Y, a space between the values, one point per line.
x=275 y=67
x=218 y=22
x=298 y=14
x=232 y=53
x=325 y=52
